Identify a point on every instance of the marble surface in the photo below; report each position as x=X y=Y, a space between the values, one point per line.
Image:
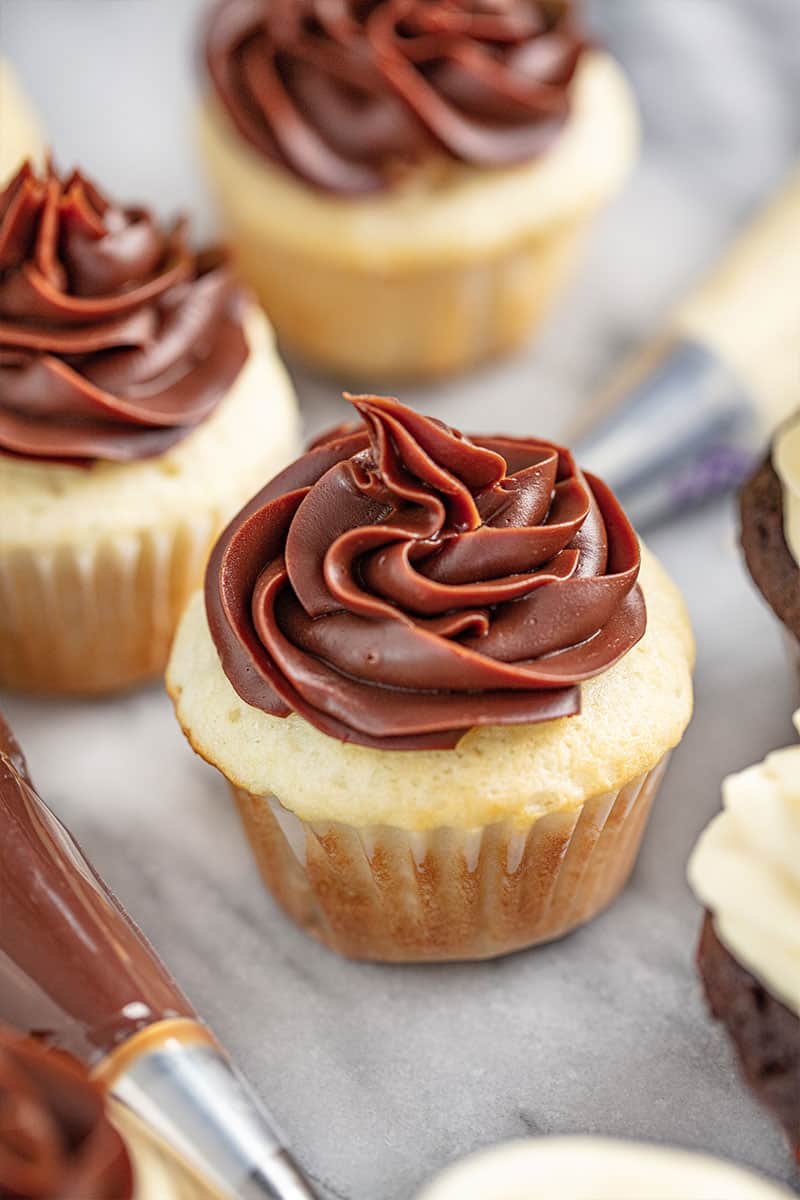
x=380 y=1075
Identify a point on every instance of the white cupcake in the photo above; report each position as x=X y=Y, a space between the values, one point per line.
x=141 y=402
x=407 y=187
x=442 y=689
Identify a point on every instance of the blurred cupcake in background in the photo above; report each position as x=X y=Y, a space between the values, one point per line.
x=406 y=182
x=582 y=1168
x=443 y=681
x=746 y=871
x=141 y=402
x=770 y=530
x=20 y=133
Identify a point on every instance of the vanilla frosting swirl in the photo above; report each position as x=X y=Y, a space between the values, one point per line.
x=585 y=1168
x=346 y=92
x=116 y=340
x=401 y=583
x=56 y=1142
x=746 y=871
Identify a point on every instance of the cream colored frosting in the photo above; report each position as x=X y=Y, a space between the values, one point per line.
x=746 y=870
x=597 y=1169
x=786 y=461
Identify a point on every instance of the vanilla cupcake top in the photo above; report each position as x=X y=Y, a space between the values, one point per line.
x=402 y=583
x=55 y=1137
x=746 y=871
x=348 y=94
x=116 y=340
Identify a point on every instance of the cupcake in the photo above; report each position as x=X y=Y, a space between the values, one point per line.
x=746 y=871
x=406 y=184
x=770 y=530
x=62 y=1139
x=582 y=1168
x=141 y=402
x=443 y=682
x=20 y=134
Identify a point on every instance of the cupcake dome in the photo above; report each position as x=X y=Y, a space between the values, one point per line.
x=140 y=402
x=746 y=871
x=421 y=648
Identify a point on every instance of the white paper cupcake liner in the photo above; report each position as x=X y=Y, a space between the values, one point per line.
x=386 y=894
x=98 y=617
x=422 y=323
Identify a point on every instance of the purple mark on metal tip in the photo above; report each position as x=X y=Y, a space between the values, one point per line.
x=718 y=469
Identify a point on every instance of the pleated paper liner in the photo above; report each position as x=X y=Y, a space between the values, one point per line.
x=385 y=894
x=94 y=618
x=408 y=324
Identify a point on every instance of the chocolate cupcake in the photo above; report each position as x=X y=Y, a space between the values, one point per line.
x=443 y=682
x=746 y=871
x=141 y=402
x=406 y=185
x=20 y=133
x=582 y=1168
x=770 y=530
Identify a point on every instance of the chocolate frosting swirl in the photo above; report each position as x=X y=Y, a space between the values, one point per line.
x=115 y=339
x=56 y=1142
x=345 y=92
x=401 y=583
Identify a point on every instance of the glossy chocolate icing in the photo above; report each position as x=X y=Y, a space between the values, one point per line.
x=72 y=963
x=346 y=93
x=116 y=340
x=56 y=1142
x=401 y=583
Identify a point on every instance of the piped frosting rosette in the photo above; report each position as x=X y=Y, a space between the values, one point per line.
x=401 y=583
x=344 y=93
x=116 y=339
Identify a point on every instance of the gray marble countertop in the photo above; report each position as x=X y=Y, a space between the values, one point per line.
x=380 y=1075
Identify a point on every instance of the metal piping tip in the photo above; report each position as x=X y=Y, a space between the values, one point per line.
x=179 y=1082
x=679 y=432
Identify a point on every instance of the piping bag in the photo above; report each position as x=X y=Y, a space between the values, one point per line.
x=686 y=418
x=73 y=964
